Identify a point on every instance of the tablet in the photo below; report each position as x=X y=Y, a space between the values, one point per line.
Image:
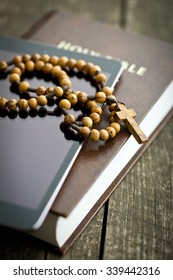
x=35 y=155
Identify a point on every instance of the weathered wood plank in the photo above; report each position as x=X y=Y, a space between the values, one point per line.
x=151 y=18
x=140 y=216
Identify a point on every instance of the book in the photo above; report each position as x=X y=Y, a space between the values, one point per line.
x=146 y=85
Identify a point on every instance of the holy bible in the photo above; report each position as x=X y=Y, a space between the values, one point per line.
x=146 y=85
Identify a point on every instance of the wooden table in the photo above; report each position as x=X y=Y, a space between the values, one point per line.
x=137 y=221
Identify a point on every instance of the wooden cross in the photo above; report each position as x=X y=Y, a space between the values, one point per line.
x=127 y=116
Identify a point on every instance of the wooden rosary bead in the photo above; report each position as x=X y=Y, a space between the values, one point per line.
x=96 y=109
x=80 y=64
x=14 y=78
x=63 y=61
x=22 y=104
x=66 y=83
x=87 y=121
x=90 y=104
x=87 y=68
x=111 y=131
x=3 y=65
x=23 y=86
x=100 y=78
x=35 y=57
x=56 y=70
x=42 y=100
x=58 y=91
x=82 y=97
x=69 y=119
x=72 y=98
x=12 y=104
x=39 y=65
x=26 y=57
x=32 y=102
x=17 y=59
x=94 y=134
x=94 y=70
x=40 y=90
x=113 y=107
x=71 y=63
x=49 y=91
x=100 y=97
x=104 y=135
x=16 y=70
x=107 y=90
x=116 y=126
x=29 y=66
x=65 y=104
x=110 y=99
x=45 y=57
x=54 y=60
x=47 y=68
x=95 y=117
x=3 y=103
x=85 y=131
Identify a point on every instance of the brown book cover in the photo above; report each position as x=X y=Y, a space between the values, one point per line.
x=148 y=73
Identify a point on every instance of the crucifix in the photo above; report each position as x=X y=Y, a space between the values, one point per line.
x=127 y=116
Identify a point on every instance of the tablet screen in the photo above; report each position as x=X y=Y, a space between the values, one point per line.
x=35 y=154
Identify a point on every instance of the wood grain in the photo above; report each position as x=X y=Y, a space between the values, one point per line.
x=138 y=223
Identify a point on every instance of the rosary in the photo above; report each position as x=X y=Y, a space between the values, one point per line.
x=65 y=98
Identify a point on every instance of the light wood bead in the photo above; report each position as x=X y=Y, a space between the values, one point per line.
x=63 y=61
x=14 y=77
x=111 y=131
x=85 y=131
x=107 y=90
x=97 y=109
x=95 y=117
x=82 y=97
x=3 y=103
x=111 y=119
x=3 y=65
x=49 y=90
x=94 y=134
x=110 y=99
x=116 y=126
x=39 y=65
x=17 y=59
x=87 y=67
x=12 y=104
x=54 y=60
x=69 y=119
x=41 y=100
x=29 y=66
x=100 y=97
x=113 y=107
x=56 y=70
x=66 y=83
x=32 y=102
x=65 y=104
x=62 y=75
x=45 y=57
x=16 y=70
x=100 y=78
x=71 y=63
x=26 y=57
x=35 y=57
x=47 y=68
x=80 y=64
x=104 y=135
x=90 y=104
x=87 y=121
x=21 y=66
x=72 y=98
x=23 y=86
x=94 y=70
x=40 y=90
x=22 y=104
x=58 y=91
